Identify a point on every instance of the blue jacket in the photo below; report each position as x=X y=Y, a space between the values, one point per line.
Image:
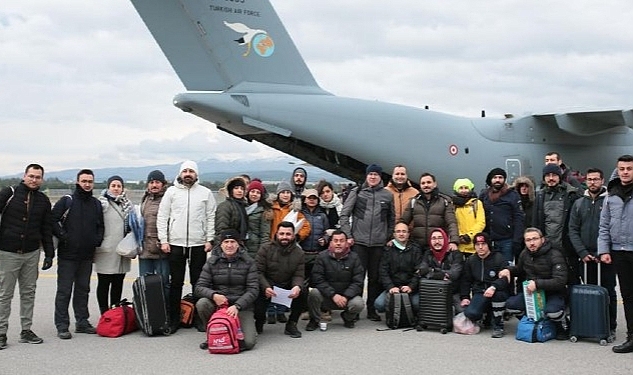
x=616 y=220
x=504 y=216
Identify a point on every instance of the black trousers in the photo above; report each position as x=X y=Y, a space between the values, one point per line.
x=177 y=267
x=72 y=274
x=370 y=259
x=623 y=262
x=109 y=285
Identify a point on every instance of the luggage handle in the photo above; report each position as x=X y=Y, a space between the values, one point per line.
x=599 y=276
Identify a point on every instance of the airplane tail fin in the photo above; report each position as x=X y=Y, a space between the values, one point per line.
x=216 y=45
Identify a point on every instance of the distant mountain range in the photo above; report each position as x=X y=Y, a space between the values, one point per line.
x=210 y=170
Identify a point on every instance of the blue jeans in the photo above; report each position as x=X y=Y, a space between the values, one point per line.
x=480 y=304
x=505 y=248
x=380 y=304
x=554 y=302
x=157 y=266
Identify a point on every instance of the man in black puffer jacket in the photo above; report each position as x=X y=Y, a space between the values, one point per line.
x=25 y=226
x=230 y=277
x=78 y=223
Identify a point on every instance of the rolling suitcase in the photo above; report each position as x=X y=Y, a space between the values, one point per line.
x=150 y=306
x=589 y=311
x=436 y=305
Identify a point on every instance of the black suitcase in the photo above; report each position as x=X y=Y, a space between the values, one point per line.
x=436 y=305
x=150 y=306
x=589 y=312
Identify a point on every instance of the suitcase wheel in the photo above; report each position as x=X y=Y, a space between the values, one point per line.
x=603 y=342
x=166 y=331
x=573 y=339
x=443 y=331
x=610 y=339
x=419 y=328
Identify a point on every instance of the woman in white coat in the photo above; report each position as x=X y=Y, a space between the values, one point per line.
x=110 y=266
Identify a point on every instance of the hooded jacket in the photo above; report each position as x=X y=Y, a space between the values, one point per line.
x=504 y=216
x=231 y=214
x=424 y=216
x=471 y=219
x=186 y=215
x=449 y=268
x=527 y=202
x=372 y=215
x=546 y=266
x=297 y=190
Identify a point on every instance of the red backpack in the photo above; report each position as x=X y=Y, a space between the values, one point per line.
x=224 y=333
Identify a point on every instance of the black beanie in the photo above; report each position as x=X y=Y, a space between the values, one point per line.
x=483 y=237
x=552 y=168
x=373 y=168
x=156 y=175
x=229 y=234
x=495 y=172
x=115 y=178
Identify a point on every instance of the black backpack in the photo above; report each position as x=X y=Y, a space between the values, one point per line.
x=399 y=312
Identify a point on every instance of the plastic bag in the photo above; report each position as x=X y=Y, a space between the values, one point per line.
x=128 y=247
x=465 y=326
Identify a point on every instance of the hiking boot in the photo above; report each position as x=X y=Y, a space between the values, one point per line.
x=3 y=341
x=271 y=319
x=27 y=336
x=64 y=335
x=281 y=318
x=312 y=325
x=497 y=333
x=292 y=330
x=625 y=347
x=373 y=316
x=85 y=328
x=204 y=345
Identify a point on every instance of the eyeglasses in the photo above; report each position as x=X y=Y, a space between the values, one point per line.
x=533 y=239
x=594 y=179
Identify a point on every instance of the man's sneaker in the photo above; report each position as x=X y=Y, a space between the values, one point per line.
x=85 y=328
x=497 y=333
x=312 y=325
x=3 y=341
x=27 y=336
x=292 y=330
x=64 y=335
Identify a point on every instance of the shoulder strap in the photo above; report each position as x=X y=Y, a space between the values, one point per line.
x=67 y=205
x=397 y=309
x=9 y=199
x=406 y=301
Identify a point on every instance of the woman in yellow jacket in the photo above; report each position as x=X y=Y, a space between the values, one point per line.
x=470 y=214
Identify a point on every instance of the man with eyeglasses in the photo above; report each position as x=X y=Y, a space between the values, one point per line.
x=584 y=222
x=551 y=215
x=615 y=243
x=24 y=229
x=78 y=224
x=543 y=266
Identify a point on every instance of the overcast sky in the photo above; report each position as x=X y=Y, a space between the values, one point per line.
x=83 y=84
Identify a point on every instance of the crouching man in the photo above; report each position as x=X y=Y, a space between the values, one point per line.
x=230 y=277
x=338 y=277
x=481 y=277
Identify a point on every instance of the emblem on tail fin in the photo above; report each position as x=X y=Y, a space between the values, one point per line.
x=255 y=39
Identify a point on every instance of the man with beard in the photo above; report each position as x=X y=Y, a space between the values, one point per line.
x=554 y=157
x=431 y=209
x=401 y=189
x=370 y=208
x=281 y=263
x=504 y=214
x=584 y=224
x=470 y=214
x=298 y=181
x=338 y=278
x=25 y=227
x=551 y=215
x=185 y=225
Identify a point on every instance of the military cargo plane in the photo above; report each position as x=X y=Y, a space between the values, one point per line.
x=243 y=72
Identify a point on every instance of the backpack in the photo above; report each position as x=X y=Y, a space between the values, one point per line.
x=399 y=312
x=224 y=333
x=188 y=310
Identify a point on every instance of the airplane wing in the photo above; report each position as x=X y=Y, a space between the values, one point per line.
x=588 y=123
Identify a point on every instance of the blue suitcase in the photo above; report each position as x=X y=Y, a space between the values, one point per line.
x=589 y=312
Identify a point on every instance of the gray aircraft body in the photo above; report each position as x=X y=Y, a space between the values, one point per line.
x=243 y=72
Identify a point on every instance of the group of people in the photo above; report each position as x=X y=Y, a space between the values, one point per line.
x=493 y=246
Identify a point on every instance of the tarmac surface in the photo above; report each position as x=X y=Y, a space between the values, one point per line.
x=340 y=350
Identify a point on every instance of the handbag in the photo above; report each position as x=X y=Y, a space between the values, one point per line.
x=128 y=247
x=117 y=321
x=529 y=330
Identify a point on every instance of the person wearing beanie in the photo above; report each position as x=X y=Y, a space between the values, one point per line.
x=401 y=189
x=481 y=288
x=440 y=263
x=185 y=223
x=554 y=157
x=431 y=209
x=469 y=213
x=298 y=181
x=552 y=206
x=371 y=208
x=505 y=219
x=260 y=215
x=152 y=259
x=231 y=214
x=373 y=168
x=78 y=223
x=286 y=208
x=229 y=277
x=110 y=266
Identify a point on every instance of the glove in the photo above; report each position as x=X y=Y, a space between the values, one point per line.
x=48 y=263
x=464 y=239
